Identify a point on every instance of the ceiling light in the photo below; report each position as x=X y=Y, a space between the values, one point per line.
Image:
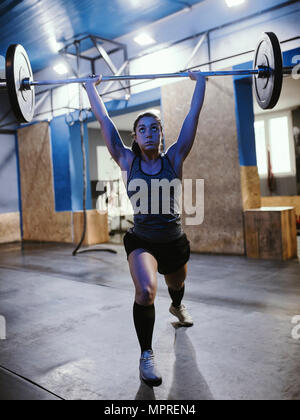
x=233 y=3
x=54 y=45
x=144 y=40
x=61 y=68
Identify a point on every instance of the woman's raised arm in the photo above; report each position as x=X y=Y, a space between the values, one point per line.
x=116 y=147
x=180 y=149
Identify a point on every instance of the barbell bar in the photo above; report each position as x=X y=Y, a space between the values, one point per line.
x=267 y=69
x=27 y=83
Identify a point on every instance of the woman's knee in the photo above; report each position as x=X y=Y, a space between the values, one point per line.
x=176 y=280
x=143 y=268
x=175 y=285
x=145 y=295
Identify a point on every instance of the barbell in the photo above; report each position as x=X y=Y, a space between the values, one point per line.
x=267 y=71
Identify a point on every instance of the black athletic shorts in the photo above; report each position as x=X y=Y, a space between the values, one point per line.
x=170 y=256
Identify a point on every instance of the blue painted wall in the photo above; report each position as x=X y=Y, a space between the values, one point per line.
x=60 y=139
x=67 y=165
x=138 y=101
x=76 y=168
x=288 y=56
x=245 y=117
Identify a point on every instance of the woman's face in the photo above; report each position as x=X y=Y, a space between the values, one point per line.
x=148 y=134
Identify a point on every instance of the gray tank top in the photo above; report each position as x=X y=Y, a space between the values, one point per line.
x=156 y=202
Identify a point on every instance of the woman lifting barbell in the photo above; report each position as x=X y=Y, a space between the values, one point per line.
x=157 y=241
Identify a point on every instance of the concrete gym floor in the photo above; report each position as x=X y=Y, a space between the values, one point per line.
x=69 y=328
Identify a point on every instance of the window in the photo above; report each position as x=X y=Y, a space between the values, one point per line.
x=273 y=132
x=280 y=145
x=261 y=147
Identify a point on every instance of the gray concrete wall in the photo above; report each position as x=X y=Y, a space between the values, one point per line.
x=9 y=195
x=96 y=139
x=214 y=158
x=10 y=223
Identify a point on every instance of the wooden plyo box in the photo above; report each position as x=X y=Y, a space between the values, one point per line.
x=97 y=227
x=270 y=233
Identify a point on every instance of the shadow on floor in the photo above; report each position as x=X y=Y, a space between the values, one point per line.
x=188 y=383
x=145 y=392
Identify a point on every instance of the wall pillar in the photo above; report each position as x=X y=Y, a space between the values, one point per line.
x=246 y=141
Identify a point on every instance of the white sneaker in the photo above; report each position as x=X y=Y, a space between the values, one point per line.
x=182 y=314
x=148 y=372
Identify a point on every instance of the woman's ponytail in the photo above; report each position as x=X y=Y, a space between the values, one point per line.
x=136 y=148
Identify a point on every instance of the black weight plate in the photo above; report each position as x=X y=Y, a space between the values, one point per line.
x=18 y=68
x=268 y=53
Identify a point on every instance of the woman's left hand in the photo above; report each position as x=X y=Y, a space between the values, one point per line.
x=197 y=76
